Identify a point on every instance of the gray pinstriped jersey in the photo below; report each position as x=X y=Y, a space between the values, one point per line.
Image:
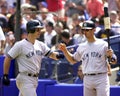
x=93 y=56
x=28 y=56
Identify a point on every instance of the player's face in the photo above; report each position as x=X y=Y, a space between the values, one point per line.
x=37 y=32
x=88 y=33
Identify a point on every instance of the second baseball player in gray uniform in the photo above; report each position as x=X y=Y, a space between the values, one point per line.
x=93 y=53
x=28 y=53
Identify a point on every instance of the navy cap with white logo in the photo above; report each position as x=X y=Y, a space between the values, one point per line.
x=32 y=24
x=88 y=25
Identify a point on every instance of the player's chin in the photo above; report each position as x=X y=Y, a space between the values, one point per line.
x=38 y=36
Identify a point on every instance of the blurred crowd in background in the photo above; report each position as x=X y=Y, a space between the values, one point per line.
x=62 y=20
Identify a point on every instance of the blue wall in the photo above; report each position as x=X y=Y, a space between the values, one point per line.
x=12 y=67
x=49 y=87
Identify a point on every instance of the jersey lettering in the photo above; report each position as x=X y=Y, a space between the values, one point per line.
x=92 y=54
x=85 y=56
x=33 y=53
x=95 y=54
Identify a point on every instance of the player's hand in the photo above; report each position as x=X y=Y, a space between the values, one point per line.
x=109 y=53
x=111 y=56
x=6 y=80
x=62 y=47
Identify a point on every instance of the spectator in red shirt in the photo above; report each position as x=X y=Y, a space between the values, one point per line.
x=56 y=6
x=95 y=8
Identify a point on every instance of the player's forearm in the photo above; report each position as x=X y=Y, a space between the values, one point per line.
x=69 y=57
x=7 y=62
x=67 y=54
x=53 y=55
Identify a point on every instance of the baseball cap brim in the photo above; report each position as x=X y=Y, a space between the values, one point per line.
x=87 y=28
x=39 y=27
x=88 y=25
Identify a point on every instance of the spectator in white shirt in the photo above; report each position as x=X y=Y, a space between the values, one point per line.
x=50 y=32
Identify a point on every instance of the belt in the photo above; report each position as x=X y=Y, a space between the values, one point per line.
x=33 y=75
x=30 y=74
x=92 y=74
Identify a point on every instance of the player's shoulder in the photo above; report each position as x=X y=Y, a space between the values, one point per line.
x=20 y=42
x=101 y=42
x=39 y=42
x=83 y=44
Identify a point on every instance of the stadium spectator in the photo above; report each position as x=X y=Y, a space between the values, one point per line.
x=43 y=15
x=113 y=5
x=11 y=15
x=95 y=8
x=11 y=10
x=23 y=31
x=50 y=32
x=115 y=22
x=4 y=9
x=10 y=2
x=80 y=76
x=66 y=38
x=79 y=37
x=102 y=33
x=56 y=6
x=35 y=2
x=97 y=24
x=118 y=4
x=28 y=12
x=57 y=38
x=76 y=32
x=27 y=1
x=10 y=40
x=4 y=23
x=42 y=4
x=2 y=2
x=119 y=15
x=73 y=7
x=74 y=25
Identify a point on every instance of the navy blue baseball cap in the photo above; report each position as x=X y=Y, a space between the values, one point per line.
x=88 y=25
x=32 y=24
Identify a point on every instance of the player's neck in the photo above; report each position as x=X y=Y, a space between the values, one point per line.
x=92 y=39
x=31 y=39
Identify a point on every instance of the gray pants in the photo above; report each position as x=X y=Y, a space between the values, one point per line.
x=27 y=85
x=96 y=85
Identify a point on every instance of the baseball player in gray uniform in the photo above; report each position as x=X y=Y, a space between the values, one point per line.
x=28 y=53
x=93 y=53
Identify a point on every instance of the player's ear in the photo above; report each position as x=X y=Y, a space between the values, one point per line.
x=94 y=29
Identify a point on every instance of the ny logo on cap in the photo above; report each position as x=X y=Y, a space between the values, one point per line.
x=85 y=25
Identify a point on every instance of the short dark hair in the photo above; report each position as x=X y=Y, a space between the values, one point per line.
x=65 y=34
x=51 y=24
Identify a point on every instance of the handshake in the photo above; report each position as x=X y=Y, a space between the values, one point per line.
x=5 y=80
